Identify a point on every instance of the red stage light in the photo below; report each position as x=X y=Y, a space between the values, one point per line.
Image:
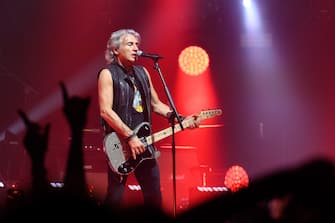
x=236 y=178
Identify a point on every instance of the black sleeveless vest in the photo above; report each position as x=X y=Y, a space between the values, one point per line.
x=124 y=94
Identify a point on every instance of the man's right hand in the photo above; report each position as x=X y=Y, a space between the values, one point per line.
x=136 y=146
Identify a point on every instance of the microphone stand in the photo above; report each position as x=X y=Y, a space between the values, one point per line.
x=171 y=121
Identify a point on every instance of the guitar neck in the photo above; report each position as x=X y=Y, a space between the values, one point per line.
x=166 y=132
x=186 y=123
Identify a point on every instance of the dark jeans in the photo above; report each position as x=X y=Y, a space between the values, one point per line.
x=148 y=176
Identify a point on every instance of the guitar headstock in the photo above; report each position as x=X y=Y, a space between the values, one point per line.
x=210 y=113
x=204 y=114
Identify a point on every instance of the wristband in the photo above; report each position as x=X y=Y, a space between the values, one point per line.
x=130 y=137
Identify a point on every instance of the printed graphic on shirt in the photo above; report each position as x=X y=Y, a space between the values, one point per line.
x=137 y=103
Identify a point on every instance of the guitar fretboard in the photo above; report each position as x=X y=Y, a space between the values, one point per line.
x=167 y=132
x=186 y=123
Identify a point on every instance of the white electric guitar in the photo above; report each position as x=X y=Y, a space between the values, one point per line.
x=119 y=154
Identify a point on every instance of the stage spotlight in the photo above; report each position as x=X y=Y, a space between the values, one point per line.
x=212 y=189
x=236 y=178
x=193 y=60
x=133 y=187
x=56 y=184
x=247 y=3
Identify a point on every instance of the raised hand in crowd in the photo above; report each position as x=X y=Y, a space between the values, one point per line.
x=75 y=110
x=36 y=138
x=36 y=145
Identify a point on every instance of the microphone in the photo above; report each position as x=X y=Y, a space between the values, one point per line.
x=148 y=55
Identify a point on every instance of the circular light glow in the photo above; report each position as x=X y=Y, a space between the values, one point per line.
x=236 y=178
x=247 y=3
x=193 y=60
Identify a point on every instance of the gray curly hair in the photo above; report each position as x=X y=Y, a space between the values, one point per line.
x=114 y=42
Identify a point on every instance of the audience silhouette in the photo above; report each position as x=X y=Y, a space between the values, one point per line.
x=44 y=202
